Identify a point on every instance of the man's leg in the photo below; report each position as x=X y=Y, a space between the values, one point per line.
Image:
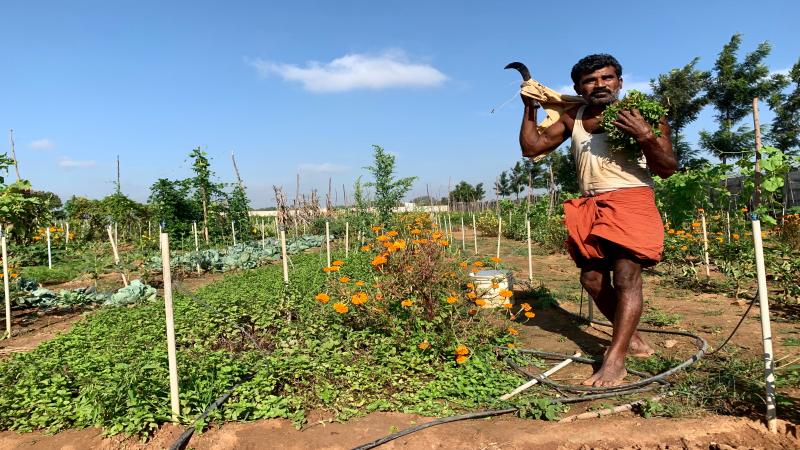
x=628 y=287
x=597 y=282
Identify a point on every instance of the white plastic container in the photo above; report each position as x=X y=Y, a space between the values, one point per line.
x=483 y=281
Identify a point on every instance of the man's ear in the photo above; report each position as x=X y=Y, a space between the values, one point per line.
x=620 y=82
x=577 y=91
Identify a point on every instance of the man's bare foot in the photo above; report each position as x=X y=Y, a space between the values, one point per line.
x=609 y=375
x=638 y=348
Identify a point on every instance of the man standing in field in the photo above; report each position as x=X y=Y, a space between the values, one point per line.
x=614 y=227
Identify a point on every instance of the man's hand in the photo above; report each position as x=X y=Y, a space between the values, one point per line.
x=634 y=124
x=529 y=101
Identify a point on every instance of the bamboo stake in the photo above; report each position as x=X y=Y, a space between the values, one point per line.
x=463 y=235
x=328 y=241
x=499 y=233
x=474 y=234
x=263 y=235
x=530 y=253
x=49 y=253
x=766 y=331
x=607 y=411
x=284 y=256
x=66 y=236
x=196 y=240
x=116 y=254
x=346 y=238
x=174 y=399
x=536 y=380
x=705 y=242
x=6 y=287
x=233 y=231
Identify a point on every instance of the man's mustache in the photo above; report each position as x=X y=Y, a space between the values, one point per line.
x=600 y=91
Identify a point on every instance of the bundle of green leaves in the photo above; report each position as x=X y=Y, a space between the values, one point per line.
x=651 y=110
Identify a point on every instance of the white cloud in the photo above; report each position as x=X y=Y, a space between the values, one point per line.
x=42 y=144
x=322 y=168
x=356 y=71
x=69 y=163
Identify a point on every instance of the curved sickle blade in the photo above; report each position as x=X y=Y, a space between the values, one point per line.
x=523 y=70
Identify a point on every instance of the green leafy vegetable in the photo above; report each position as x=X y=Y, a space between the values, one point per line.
x=651 y=110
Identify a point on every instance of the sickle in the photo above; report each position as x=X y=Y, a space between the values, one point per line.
x=526 y=74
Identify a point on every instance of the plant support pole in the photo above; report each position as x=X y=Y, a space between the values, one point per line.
x=346 y=238
x=66 y=235
x=328 y=241
x=233 y=231
x=499 y=233
x=766 y=332
x=171 y=354
x=6 y=287
x=530 y=253
x=705 y=242
x=463 y=236
x=196 y=240
x=474 y=234
x=284 y=257
x=49 y=253
x=116 y=254
x=534 y=381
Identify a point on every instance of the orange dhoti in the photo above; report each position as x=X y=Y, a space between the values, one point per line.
x=628 y=218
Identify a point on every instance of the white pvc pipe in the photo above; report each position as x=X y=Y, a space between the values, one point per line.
x=6 y=287
x=534 y=381
x=174 y=399
x=766 y=331
x=49 y=254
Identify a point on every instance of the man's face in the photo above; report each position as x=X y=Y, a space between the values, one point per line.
x=601 y=87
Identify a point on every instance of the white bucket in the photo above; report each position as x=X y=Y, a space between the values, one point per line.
x=483 y=282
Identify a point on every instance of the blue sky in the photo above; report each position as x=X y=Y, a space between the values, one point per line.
x=308 y=89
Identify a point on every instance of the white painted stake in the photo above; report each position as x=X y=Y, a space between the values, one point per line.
x=49 y=254
x=263 y=235
x=6 y=287
x=530 y=253
x=766 y=331
x=728 y=224
x=474 y=234
x=277 y=232
x=66 y=236
x=534 y=381
x=499 y=233
x=705 y=242
x=116 y=254
x=463 y=236
x=233 y=231
x=346 y=239
x=149 y=229
x=116 y=235
x=174 y=398
x=284 y=256
x=328 y=241
x=196 y=241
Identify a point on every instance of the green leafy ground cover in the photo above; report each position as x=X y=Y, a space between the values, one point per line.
x=110 y=370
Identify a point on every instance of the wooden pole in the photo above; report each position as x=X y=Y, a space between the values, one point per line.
x=263 y=235
x=346 y=239
x=233 y=231
x=705 y=242
x=172 y=360
x=284 y=256
x=328 y=241
x=499 y=233
x=530 y=252
x=196 y=240
x=474 y=234
x=66 y=235
x=6 y=286
x=49 y=253
x=116 y=254
x=766 y=332
x=14 y=153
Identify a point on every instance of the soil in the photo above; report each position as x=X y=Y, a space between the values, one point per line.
x=711 y=315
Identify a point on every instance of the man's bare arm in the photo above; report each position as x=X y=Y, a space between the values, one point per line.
x=657 y=149
x=531 y=141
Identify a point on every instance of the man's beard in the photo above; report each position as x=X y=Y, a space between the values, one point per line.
x=603 y=100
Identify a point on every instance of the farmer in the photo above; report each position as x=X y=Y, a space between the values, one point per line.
x=614 y=227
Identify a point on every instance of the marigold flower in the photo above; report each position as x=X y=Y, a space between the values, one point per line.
x=376 y=228
x=344 y=280
x=406 y=303
x=671 y=231
x=719 y=239
x=507 y=305
x=378 y=260
x=526 y=307
x=510 y=346
x=415 y=232
x=695 y=224
x=461 y=359
x=360 y=283
x=505 y=293
x=359 y=298
x=472 y=295
x=451 y=300
x=382 y=238
x=444 y=242
x=337 y=263
x=700 y=210
x=478 y=264
x=378 y=296
x=513 y=331
x=735 y=236
x=392 y=233
x=340 y=308
x=495 y=286
x=322 y=297
x=744 y=210
x=330 y=269
x=494 y=259
x=424 y=345
x=437 y=235
x=399 y=244
x=684 y=248
x=461 y=350
x=475 y=270
x=530 y=314
x=462 y=264
x=365 y=248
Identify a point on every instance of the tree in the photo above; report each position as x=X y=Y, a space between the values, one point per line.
x=388 y=191
x=519 y=177
x=785 y=128
x=564 y=171
x=732 y=88
x=465 y=192
x=680 y=91
x=171 y=204
x=239 y=209
x=202 y=183
x=20 y=207
x=502 y=187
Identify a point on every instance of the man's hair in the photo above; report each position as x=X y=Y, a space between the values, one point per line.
x=591 y=63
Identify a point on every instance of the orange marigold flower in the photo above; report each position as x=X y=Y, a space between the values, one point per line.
x=451 y=300
x=344 y=280
x=378 y=296
x=461 y=350
x=510 y=345
x=475 y=270
x=399 y=244
x=382 y=238
x=478 y=264
x=671 y=231
x=337 y=263
x=505 y=293
x=494 y=259
x=360 y=283
x=392 y=233
x=323 y=297
x=424 y=345
x=365 y=248
x=463 y=264
x=437 y=235
x=480 y=302
x=461 y=359
x=470 y=285
x=378 y=260
x=376 y=228
x=695 y=224
x=526 y=306
x=495 y=286
x=513 y=331
x=415 y=232
x=530 y=314
x=735 y=236
x=684 y=248
x=472 y=295
x=340 y=308
x=444 y=242
x=406 y=303
x=507 y=305
x=359 y=298
x=330 y=269
x=700 y=210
